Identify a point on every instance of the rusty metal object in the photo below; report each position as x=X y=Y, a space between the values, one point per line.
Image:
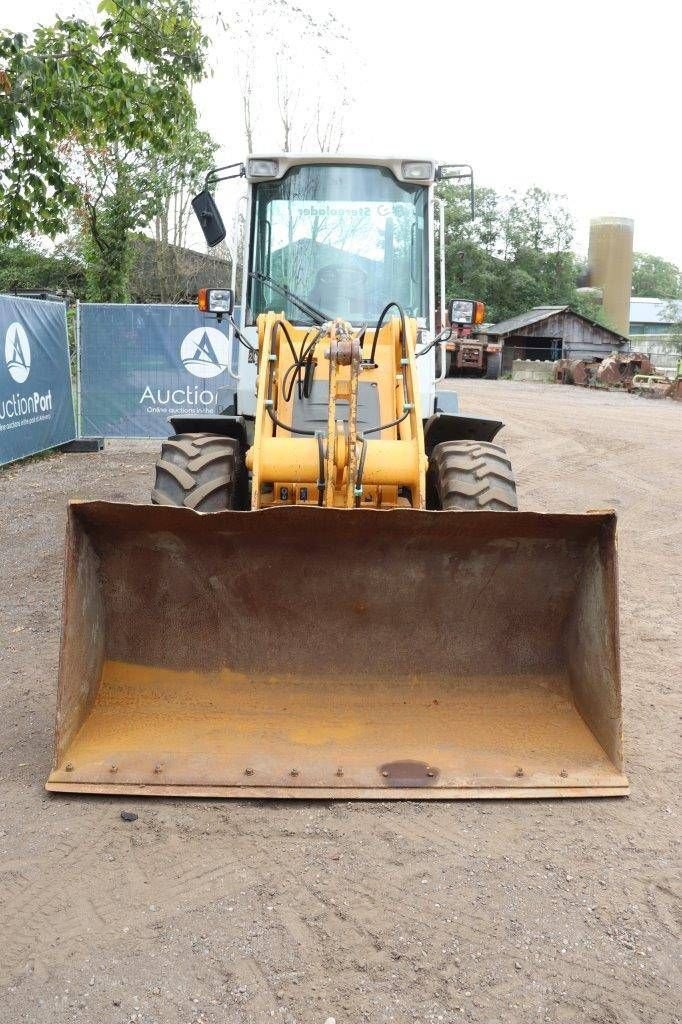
x=655 y=385
x=584 y=372
x=408 y=774
x=468 y=643
x=469 y=355
x=562 y=372
x=618 y=369
x=344 y=347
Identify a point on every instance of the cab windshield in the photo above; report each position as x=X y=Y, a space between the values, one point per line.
x=348 y=239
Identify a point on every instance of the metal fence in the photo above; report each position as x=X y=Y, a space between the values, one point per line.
x=137 y=365
x=663 y=350
x=36 y=401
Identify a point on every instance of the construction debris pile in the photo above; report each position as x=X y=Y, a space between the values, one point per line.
x=616 y=371
x=621 y=371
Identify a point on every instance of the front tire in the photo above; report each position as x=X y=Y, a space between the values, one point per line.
x=493 y=367
x=472 y=475
x=199 y=471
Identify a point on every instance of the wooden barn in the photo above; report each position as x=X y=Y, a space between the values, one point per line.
x=554 y=332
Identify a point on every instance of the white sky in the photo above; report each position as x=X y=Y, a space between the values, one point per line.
x=580 y=98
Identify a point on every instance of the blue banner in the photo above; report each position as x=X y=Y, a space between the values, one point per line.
x=36 y=403
x=141 y=364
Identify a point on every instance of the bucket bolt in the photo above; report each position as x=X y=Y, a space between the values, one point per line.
x=294 y=772
x=114 y=768
x=68 y=767
x=563 y=773
x=519 y=773
x=339 y=771
x=158 y=768
x=248 y=771
x=385 y=773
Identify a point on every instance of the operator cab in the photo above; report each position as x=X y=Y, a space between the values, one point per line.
x=334 y=237
x=349 y=239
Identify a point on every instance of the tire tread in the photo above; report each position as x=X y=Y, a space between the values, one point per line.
x=198 y=471
x=472 y=475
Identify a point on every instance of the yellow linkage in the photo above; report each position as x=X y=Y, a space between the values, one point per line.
x=295 y=466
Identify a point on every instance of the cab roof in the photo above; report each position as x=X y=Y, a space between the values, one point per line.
x=285 y=161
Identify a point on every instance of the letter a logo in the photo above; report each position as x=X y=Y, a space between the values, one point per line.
x=205 y=352
x=17 y=353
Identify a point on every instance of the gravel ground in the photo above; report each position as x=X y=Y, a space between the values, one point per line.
x=202 y=912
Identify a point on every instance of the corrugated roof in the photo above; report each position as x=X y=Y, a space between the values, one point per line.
x=540 y=313
x=654 y=311
x=533 y=316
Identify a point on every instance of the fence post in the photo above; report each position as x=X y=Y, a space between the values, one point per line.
x=79 y=411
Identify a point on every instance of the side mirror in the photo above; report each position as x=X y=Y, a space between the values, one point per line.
x=209 y=218
x=460 y=173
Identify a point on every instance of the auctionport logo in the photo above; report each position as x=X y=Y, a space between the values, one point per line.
x=205 y=352
x=17 y=353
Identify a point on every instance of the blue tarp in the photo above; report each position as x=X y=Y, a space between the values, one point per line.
x=141 y=364
x=36 y=403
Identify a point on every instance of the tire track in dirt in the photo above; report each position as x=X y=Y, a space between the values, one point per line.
x=331 y=895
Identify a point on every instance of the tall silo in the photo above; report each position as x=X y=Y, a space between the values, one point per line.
x=609 y=264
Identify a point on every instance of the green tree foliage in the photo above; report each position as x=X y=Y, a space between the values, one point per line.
x=109 y=218
x=92 y=119
x=653 y=277
x=514 y=254
x=125 y=81
x=123 y=192
x=28 y=267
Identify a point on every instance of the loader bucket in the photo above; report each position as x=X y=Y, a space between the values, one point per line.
x=305 y=652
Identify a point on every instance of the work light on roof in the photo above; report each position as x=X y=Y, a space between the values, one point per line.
x=418 y=170
x=263 y=168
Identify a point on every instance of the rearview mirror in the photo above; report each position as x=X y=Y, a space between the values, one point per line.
x=462 y=173
x=209 y=218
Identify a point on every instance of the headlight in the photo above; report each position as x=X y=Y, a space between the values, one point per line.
x=262 y=169
x=216 y=300
x=461 y=311
x=417 y=170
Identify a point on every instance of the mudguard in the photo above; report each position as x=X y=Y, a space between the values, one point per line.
x=211 y=423
x=446 y=427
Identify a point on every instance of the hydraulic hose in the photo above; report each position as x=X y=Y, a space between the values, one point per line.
x=380 y=324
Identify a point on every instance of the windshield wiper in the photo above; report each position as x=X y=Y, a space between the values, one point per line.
x=316 y=315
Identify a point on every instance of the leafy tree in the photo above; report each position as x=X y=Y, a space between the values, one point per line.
x=514 y=254
x=88 y=113
x=109 y=216
x=123 y=192
x=653 y=277
x=176 y=177
x=25 y=266
x=279 y=32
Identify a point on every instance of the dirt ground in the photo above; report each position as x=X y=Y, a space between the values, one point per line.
x=203 y=912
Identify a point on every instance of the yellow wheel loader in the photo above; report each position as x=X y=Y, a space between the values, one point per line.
x=332 y=593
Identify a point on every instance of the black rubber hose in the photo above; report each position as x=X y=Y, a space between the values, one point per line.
x=287 y=426
x=380 y=324
x=292 y=370
x=361 y=469
x=279 y=324
x=320 y=472
x=393 y=423
x=308 y=376
x=443 y=336
x=297 y=366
